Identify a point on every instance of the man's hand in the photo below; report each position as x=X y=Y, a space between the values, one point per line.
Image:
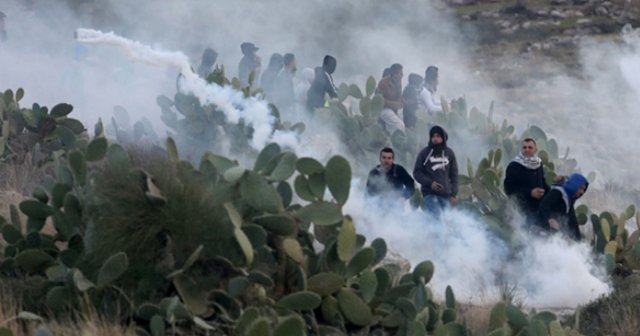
x=537 y=193
x=553 y=224
x=560 y=179
x=453 y=200
x=435 y=186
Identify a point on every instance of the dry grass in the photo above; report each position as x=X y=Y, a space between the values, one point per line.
x=617 y=314
x=87 y=322
x=612 y=196
x=22 y=177
x=476 y=317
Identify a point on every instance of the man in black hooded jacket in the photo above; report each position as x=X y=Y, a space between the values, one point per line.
x=322 y=83
x=436 y=170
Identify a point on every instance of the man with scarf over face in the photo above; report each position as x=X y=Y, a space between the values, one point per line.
x=436 y=170
x=524 y=181
x=557 y=211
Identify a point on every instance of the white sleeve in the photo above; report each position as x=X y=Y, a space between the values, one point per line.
x=430 y=104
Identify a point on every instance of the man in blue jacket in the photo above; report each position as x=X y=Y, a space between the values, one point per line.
x=557 y=211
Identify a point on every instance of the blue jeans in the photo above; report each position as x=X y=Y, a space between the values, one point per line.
x=434 y=204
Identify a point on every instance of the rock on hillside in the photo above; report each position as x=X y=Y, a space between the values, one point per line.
x=520 y=35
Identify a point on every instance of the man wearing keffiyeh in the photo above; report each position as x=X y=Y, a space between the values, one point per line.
x=524 y=181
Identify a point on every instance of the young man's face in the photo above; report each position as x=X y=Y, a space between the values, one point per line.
x=292 y=66
x=436 y=139
x=529 y=148
x=581 y=191
x=397 y=76
x=386 y=160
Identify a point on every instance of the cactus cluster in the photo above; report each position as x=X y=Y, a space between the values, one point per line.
x=612 y=238
x=36 y=133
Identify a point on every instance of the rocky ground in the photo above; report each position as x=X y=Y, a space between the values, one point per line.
x=526 y=35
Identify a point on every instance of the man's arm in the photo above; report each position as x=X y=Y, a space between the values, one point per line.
x=371 y=187
x=453 y=173
x=330 y=89
x=512 y=185
x=387 y=91
x=545 y=186
x=408 y=183
x=548 y=207
x=418 y=171
x=427 y=98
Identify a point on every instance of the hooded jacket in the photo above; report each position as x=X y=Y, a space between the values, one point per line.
x=437 y=163
x=559 y=205
x=322 y=83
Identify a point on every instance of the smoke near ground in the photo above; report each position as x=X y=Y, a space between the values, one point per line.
x=479 y=266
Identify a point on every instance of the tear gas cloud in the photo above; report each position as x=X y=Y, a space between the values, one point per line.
x=478 y=265
x=42 y=57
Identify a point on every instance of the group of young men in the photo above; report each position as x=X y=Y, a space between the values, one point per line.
x=545 y=208
x=402 y=106
x=278 y=81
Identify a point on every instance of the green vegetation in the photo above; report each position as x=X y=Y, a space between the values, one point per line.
x=167 y=245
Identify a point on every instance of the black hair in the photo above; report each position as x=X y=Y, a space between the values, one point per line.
x=288 y=58
x=275 y=61
x=395 y=67
x=415 y=79
x=387 y=150
x=431 y=73
x=209 y=56
x=530 y=140
x=386 y=72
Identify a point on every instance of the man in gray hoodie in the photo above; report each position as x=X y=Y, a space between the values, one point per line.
x=436 y=170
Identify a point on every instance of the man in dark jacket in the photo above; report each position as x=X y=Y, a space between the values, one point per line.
x=389 y=178
x=524 y=181
x=271 y=72
x=436 y=170
x=209 y=57
x=557 y=211
x=322 y=84
x=250 y=63
x=410 y=98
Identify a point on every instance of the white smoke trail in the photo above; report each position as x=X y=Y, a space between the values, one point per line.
x=254 y=111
